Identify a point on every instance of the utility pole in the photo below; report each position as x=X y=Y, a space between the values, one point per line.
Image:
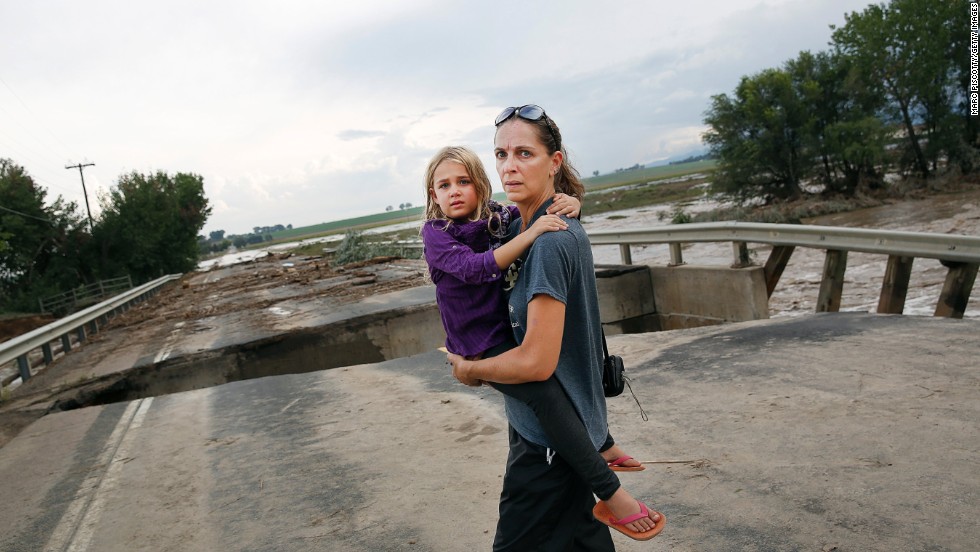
x=81 y=166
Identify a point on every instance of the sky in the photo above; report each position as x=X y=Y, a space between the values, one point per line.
x=307 y=112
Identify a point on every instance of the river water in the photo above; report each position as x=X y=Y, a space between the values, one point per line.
x=796 y=292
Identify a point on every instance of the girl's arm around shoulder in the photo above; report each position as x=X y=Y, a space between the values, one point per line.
x=564 y=204
x=510 y=251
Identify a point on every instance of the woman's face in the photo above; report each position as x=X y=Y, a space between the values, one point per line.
x=525 y=167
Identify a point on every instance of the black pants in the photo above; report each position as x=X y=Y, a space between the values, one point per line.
x=564 y=428
x=545 y=506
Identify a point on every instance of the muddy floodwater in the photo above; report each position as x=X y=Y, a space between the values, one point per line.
x=797 y=290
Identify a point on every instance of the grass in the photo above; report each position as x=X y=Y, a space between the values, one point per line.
x=642 y=195
x=647 y=175
x=670 y=184
x=622 y=190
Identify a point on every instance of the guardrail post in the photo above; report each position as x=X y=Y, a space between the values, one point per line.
x=81 y=333
x=832 y=283
x=775 y=264
x=46 y=351
x=895 y=286
x=741 y=251
x=956 y=290
x=24 y=366
x=676 y=257
x=624 y=254
x=65 y=343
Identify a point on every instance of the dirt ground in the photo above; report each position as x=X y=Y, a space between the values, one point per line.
x=18 y=325
x=250 y=286
x=304 y=277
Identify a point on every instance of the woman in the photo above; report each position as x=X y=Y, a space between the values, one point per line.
x=554 y=313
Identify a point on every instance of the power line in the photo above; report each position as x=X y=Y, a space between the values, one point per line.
x=49 y=221
x=38 y=119
x=20 y=157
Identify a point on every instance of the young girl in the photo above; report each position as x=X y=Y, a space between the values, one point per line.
x=463 y=234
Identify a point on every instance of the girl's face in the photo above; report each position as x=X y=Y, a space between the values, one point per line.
x=525 y=167
x=453 y=190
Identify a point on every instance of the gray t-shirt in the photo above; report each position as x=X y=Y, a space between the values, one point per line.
x=560 y=265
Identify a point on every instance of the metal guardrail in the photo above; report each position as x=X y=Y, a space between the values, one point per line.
x=20 y=347
x=960 y=254
x=946 y=247
x=64 y=302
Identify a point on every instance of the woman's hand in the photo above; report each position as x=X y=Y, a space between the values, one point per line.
x=460 y=372
x=565 y=204
x=547 y=223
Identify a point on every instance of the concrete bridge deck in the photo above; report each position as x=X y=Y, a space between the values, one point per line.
x=848 y=432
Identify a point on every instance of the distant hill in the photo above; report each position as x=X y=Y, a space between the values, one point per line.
x=595 y=183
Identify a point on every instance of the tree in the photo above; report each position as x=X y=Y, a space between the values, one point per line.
x=40 y=245
x=758 y=137
x=149 y=225
x=217 y=235
x=905 y=51
x=842 y=131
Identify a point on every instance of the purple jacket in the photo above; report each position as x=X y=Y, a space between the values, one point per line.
x=469 y=286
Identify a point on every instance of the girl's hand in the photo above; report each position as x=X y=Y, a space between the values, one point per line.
x=459 y=372
x=565 y=205
x=547 y=223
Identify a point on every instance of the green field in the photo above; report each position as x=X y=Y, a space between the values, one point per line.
x=596 y=200
x=357 y=223
x=647 y=174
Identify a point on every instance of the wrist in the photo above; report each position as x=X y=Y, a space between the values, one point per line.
x=467 y=369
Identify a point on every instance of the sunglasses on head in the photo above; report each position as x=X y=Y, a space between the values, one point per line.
x=529 y=112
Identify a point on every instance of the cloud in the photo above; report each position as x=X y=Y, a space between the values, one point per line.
x=359 y=134
x=299 y=113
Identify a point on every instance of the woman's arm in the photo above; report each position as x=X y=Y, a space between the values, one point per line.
x=534 y=360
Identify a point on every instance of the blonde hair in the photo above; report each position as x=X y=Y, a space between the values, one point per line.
x=478 y=176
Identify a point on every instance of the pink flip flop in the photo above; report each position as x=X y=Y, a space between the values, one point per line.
x=617 y=465
x=602 y=513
